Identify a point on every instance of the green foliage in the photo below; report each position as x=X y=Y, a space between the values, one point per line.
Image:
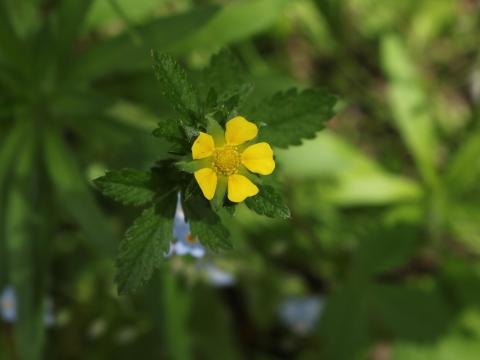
x=269 y=202
x=128 y=186
x=73 y=194
x=228 y=91
x=206 y=225
x=384 y=203
x=176 y=87
x=144 y=246
x=161 y=33
x=291 y=116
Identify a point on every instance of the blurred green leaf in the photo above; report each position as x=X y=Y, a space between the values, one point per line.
x=235 y=22
x=345 y=325
x=464 y=168
x=291 y=116
x=410 y=105
x=74 y=195
x=354 y=178
x=70 y=18
x=169 y=304
x=462 y=342
x=103 y=14
x=269 y=202
x=161 y=34
x=384 y=249
x=8 y=149
x=145 y=245
x=412 y=313
x=127 y=186
x=22 y=230
x=12 y=50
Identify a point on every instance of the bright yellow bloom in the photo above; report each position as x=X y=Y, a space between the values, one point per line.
x=228 y=160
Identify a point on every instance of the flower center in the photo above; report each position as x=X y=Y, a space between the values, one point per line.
x=226 y=160
x=190 y=239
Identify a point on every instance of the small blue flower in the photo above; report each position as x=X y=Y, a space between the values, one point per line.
x=8 y=305
x=185 y=243
x=301 y=313
x=218 y=277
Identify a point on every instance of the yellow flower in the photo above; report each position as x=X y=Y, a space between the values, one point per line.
x=228 y=158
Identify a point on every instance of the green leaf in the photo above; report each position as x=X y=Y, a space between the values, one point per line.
x=358 y=180
x=345 y=327
x=171 y=131
x=145 y=244
x=24 y=251
x=292 y=116
x=74 y=195
x=269 y=202
x=412 y=313
x=224 y=72
x=70 y=17
x=12 y=49
x=127 y=186
x=410 y=105
x=8 y=151
x=463 y=170
x=239 y=20
x=383 y=249
x=163 y=33
x=175 y=85
x=206 y=225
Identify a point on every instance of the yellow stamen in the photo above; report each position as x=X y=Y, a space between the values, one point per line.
x=226 y=160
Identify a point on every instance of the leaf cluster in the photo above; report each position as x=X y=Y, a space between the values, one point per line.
x=223 y=92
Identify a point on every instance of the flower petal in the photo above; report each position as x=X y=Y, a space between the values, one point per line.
x=258 y=158
x=203 y=146
x=240 y=187
x=207 y=180
x=240 y=130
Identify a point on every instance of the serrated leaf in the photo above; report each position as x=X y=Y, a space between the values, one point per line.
x=225 y=71
x=175 y=86
x=206 y=225
x=269 y=202
x=226 y=84
x=144 y=246
x=292 y=116
x=127 y=186
x=170 y=130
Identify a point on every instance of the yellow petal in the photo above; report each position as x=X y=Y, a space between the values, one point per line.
x=258 y=158
x=239 y=188
x=207 y=180
x=203 y=146
x=240 y=130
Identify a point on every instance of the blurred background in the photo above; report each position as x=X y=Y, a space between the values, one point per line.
x=380 y=260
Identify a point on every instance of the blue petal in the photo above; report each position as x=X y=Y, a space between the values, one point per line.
x=181 y=229
x=8 y=305
x=219 y=277
x=301 y=313
x=197 y=250
x=182 y=248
